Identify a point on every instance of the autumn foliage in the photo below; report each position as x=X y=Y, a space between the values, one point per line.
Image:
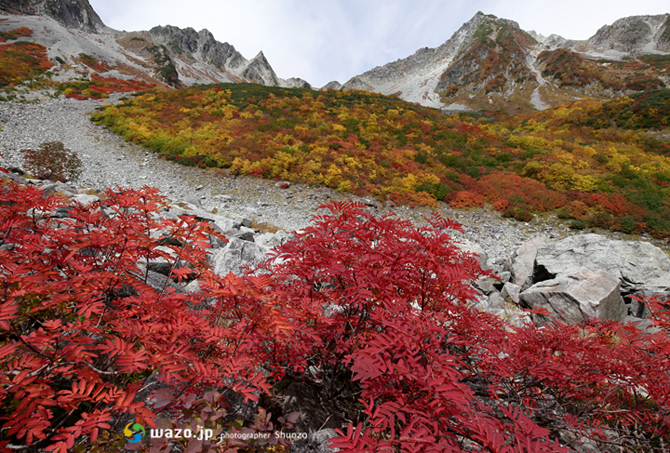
x=53 y=161
x=432 y=374
x=11 y=35
x=369 y=144
x=22 y=60
x=81 y=330
x=372 y=312
x=99 y=87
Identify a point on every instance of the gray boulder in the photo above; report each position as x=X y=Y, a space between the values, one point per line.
x=638 y=265
x=236 y=254
x=520 y=265
x=577 y=297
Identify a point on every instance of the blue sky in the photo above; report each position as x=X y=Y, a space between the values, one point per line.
x=322 y=40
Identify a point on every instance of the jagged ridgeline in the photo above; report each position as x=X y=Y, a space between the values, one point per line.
x=581 y=158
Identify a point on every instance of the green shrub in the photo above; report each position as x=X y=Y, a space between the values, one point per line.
x=563 y=214
x=578 y=224
x=627 y=225
x=437 y=190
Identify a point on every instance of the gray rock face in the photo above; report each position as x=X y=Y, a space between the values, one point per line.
x=465 y=59
x=72 y=13
x=638 y=265
x=296 y=82
x=634 y=34
x=472 y=247
x=189 y=45
x=237 y=254
x=511 y=292
x=578 y=296
x=198 y=44
x=357 y=83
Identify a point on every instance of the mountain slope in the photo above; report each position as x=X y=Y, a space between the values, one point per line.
x=416 y=77
x=492 y=64
x=72 y=32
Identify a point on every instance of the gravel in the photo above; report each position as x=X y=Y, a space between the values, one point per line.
x=110 y=161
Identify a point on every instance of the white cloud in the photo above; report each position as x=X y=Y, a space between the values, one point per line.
x=323 y=40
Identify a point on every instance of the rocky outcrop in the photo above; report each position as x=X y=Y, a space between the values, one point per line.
x=334 y=85
x=522 y=262
x=585 y=276
x=186 y=47
x=237 y=255
x=200 y=45
x=576 y=297
x=296 y=82
x=416 y=77
x=71 y=13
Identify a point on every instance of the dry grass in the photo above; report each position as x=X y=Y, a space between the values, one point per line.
x=264 y=227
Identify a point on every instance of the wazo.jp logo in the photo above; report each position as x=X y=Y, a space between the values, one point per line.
x=137 y=432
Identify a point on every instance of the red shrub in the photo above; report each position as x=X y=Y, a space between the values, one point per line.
x=81 y=330
x=388 y=302
x=464 y=199
x=373 y=312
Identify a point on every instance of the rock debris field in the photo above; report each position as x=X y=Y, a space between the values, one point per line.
x=110 y=161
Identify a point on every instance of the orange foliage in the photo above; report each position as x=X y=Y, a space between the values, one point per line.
x=466 y=199
x=20 y=32
x=510 y=189
x=22 y=60
x=101 y=87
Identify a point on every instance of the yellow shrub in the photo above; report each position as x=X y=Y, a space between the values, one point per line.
x=585 y=183
x=345 y=186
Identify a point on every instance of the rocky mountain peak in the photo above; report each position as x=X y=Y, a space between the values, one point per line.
x=189 y=45
x=332 y=85
x=493 y=55
x=297 y=82
x=260 y=71
x=78 y=14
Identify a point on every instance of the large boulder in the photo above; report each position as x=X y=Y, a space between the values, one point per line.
x=577 y=297
x=237 y=254
x=638 y=265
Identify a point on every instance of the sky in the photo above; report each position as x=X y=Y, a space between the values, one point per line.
x=324 y=40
